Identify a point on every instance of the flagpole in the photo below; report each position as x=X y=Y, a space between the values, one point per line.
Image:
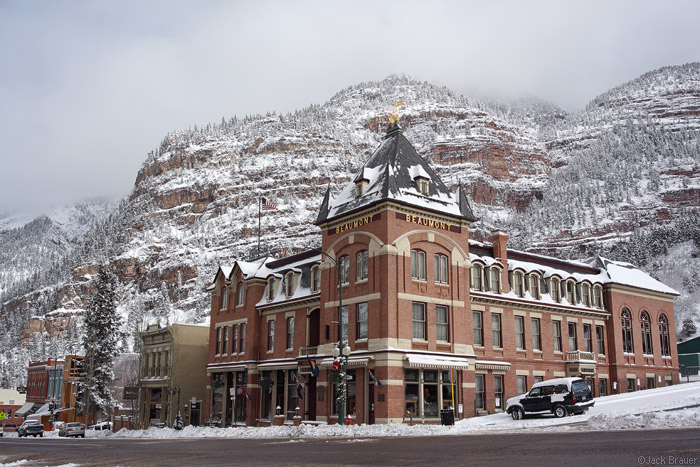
x=259 y=215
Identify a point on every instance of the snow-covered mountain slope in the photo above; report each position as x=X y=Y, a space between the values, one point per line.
x=33 y=245
x=623 y=171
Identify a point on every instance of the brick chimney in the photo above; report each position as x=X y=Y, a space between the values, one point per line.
x=500 y=252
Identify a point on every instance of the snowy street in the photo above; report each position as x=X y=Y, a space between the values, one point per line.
x=669 y=416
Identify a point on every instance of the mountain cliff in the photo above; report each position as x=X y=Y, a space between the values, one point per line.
x=621 y=173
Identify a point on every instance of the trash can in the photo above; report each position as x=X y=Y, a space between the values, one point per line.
x=447 y=416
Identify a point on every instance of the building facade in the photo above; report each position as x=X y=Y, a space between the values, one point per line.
x=432 y=319
x=172 y=374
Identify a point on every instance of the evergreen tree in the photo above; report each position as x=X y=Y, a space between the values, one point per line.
x=689 y=329
x=101 y=342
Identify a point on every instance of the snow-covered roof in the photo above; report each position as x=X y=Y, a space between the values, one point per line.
x=602 y=272
x=300 y=264
x=628 y=274
x=265 y=267
x=391 y=171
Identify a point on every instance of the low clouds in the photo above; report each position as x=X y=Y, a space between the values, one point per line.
x=88 y=88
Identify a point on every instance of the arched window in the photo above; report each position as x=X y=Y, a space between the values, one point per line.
x=441 y=269
x=476 y=277
x=534 y=284
x=586 y=294
x=494 y=279
x=270 y=289
x=663 y=332
x=646 y=334
x=362 y=266
x=224 y=297
x=344 y=265
x=289 y=284
x=597 y=296
x=315 y=279
x=554 y=289
x=240 y=293
x=627 y=346
x=418 y=264
x=570 y=292
x=518 y=288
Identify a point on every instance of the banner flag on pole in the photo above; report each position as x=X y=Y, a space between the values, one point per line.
x=372 y=377
x=314 y=367
x=300 y=390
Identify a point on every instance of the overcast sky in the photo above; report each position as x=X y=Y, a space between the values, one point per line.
x=87 y=88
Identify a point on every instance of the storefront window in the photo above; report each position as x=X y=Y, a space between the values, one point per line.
x=412 y=391
x=426 y=391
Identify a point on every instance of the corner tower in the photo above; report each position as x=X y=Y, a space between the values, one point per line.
x=401 y=239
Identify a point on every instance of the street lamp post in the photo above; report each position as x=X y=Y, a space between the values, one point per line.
x=345 y=349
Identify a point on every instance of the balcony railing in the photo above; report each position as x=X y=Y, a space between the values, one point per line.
x=578 y=356
x=304 y=351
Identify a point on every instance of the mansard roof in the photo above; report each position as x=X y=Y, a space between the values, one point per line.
x=391 y=173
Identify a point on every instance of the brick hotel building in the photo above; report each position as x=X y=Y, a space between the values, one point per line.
x=439 y=320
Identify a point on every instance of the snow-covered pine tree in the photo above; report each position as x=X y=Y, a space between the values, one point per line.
x=101 y=342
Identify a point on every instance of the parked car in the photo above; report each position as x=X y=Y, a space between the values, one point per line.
x=560 y=396
x=30 y=428
x=72 y=429
x=101 y=426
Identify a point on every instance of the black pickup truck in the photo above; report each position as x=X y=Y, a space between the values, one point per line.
x=30 y=428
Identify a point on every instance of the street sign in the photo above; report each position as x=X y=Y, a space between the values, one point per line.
x=193 y=400
x=2 y=416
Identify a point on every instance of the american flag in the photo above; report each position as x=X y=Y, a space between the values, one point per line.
x=267 y=205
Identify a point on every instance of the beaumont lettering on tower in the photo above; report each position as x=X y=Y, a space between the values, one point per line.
x=428 y=222
x=355 y=224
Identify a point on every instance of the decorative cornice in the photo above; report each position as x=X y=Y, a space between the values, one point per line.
x=309 y=300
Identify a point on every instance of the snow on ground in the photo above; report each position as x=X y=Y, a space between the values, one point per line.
x=668 y=407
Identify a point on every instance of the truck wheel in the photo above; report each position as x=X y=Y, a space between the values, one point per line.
x=517 y=413
x=41 y=435
x=559 y=411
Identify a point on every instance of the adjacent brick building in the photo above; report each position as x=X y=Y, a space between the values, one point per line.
x=439 y=320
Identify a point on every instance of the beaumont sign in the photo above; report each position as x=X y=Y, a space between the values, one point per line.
x=355 y=224
x=428 y=222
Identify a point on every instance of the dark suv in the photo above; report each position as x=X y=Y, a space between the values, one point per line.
x=561 y=396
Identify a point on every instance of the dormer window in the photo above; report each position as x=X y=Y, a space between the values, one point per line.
x=315 y=279
x=518 y=283
x=224 y=298
x=240 y=294
x=569 y=291
x=586 y=294
x=270 y=289
x=554 y=289
x=361 y=182
x=423 y=186
x=476 y=276
x=494 y=279
x=289 y=284
x=421 y=179
x=534 y=286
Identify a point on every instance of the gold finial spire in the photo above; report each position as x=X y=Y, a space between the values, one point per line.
x=394 y=115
